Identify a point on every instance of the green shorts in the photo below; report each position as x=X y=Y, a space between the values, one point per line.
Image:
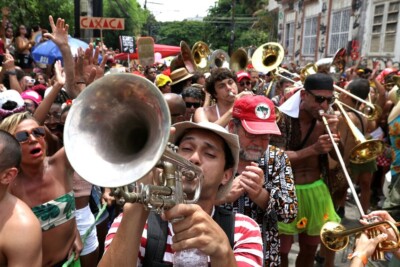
x=315 y=208
x=356 y=169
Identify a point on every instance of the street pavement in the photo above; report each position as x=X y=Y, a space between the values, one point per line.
x=349 y=221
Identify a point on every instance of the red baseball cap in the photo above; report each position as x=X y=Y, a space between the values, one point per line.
x=241 y=75
x=257 y=114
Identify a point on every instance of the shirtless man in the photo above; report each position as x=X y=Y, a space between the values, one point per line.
x=306 y=143
x=222 y=86
x=20 y=234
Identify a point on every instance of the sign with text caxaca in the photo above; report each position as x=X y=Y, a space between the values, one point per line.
x=127 y=44
x=101 y=23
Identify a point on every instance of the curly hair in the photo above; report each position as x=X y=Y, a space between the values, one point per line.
x=218 y=74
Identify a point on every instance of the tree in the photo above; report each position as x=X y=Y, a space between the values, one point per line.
x=172 y=33
x=135 y=18
x=36 y=12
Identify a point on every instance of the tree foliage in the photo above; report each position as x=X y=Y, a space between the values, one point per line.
x=36 y=12
x=172 y=33
x=135 y=19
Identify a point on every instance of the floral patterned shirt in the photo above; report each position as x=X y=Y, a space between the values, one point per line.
x=282 y=204
x=394 y=133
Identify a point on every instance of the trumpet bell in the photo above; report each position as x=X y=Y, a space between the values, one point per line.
x=366 y=151
x=267 y=57
x=116 y=130
x=330 y=238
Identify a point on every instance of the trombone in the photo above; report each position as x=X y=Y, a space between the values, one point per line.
x=364 y=151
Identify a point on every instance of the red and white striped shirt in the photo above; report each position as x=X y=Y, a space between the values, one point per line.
x=247 y=241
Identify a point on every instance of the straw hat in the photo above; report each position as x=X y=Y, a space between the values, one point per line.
x=179 y=75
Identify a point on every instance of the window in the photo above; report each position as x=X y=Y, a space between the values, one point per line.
x=339 y=30
x=310 y=36
x=384 y=27
x=289 y=40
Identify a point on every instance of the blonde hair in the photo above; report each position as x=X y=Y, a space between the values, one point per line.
x=11 y=123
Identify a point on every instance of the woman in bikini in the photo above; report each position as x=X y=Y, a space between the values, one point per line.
x=45 y=185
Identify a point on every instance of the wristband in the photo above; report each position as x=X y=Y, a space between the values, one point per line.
x=360 y=255
x=11 y=72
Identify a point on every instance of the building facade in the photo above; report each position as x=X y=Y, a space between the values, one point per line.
x=313 y=29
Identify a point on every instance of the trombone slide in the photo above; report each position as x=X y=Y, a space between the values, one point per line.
x=342 y=164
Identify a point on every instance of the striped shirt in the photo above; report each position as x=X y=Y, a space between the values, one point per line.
x=247 y=242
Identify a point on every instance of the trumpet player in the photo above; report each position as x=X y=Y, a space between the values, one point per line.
x=222 y=86
x=216 y=152
x=305 y=139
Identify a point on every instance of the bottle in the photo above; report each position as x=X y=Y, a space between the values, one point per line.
x=190 y=258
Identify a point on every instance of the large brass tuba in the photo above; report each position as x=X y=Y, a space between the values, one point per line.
x=239 y=60
x=117 y=131
x=201 y=52
x=268 y=57
x=184 y=59
x=219 y=59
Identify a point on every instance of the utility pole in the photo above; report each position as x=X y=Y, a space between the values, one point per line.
x=77 y=14
x=232 y=39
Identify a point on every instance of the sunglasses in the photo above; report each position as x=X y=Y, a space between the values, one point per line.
x=23 y=136
x=194 y=104
x=255 y=136
x=245 y=83
x=321 y=99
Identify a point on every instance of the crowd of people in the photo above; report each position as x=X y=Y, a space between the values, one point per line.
x=265 y=145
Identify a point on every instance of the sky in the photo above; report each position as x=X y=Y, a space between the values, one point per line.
x=177 y=10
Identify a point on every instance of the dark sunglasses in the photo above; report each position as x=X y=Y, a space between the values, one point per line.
x=321 y=99
x=245 y=83
x=23 y=136
x=194 y=104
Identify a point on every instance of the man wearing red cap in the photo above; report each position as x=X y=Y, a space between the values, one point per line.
x=243 y=81
x=263 y=188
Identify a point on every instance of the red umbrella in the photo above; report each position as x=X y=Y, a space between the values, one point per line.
x=165 y=50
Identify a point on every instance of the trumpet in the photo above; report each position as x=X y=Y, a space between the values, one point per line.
x=335 y=236
x=115 y=147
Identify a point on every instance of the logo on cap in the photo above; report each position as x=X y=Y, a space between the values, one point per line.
x=263 y=111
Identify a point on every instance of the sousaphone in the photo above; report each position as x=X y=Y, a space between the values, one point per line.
x=184 y=59
x=219 y=59
x=239 y=60
x=201 y=52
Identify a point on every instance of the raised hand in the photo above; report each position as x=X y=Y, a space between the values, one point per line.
x=59 y=33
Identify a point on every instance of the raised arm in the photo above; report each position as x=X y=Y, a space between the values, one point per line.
x=59 y=36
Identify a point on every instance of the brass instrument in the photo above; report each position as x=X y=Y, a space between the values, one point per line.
x=268 y=57
x=201 y=52
x=333 y=66
x=219 y=59
x=239 y=60
x=365 y=150
x=335 y=237
x=184 y=59
x=117 y=131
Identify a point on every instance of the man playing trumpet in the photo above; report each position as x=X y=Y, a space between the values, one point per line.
x=215 y=151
